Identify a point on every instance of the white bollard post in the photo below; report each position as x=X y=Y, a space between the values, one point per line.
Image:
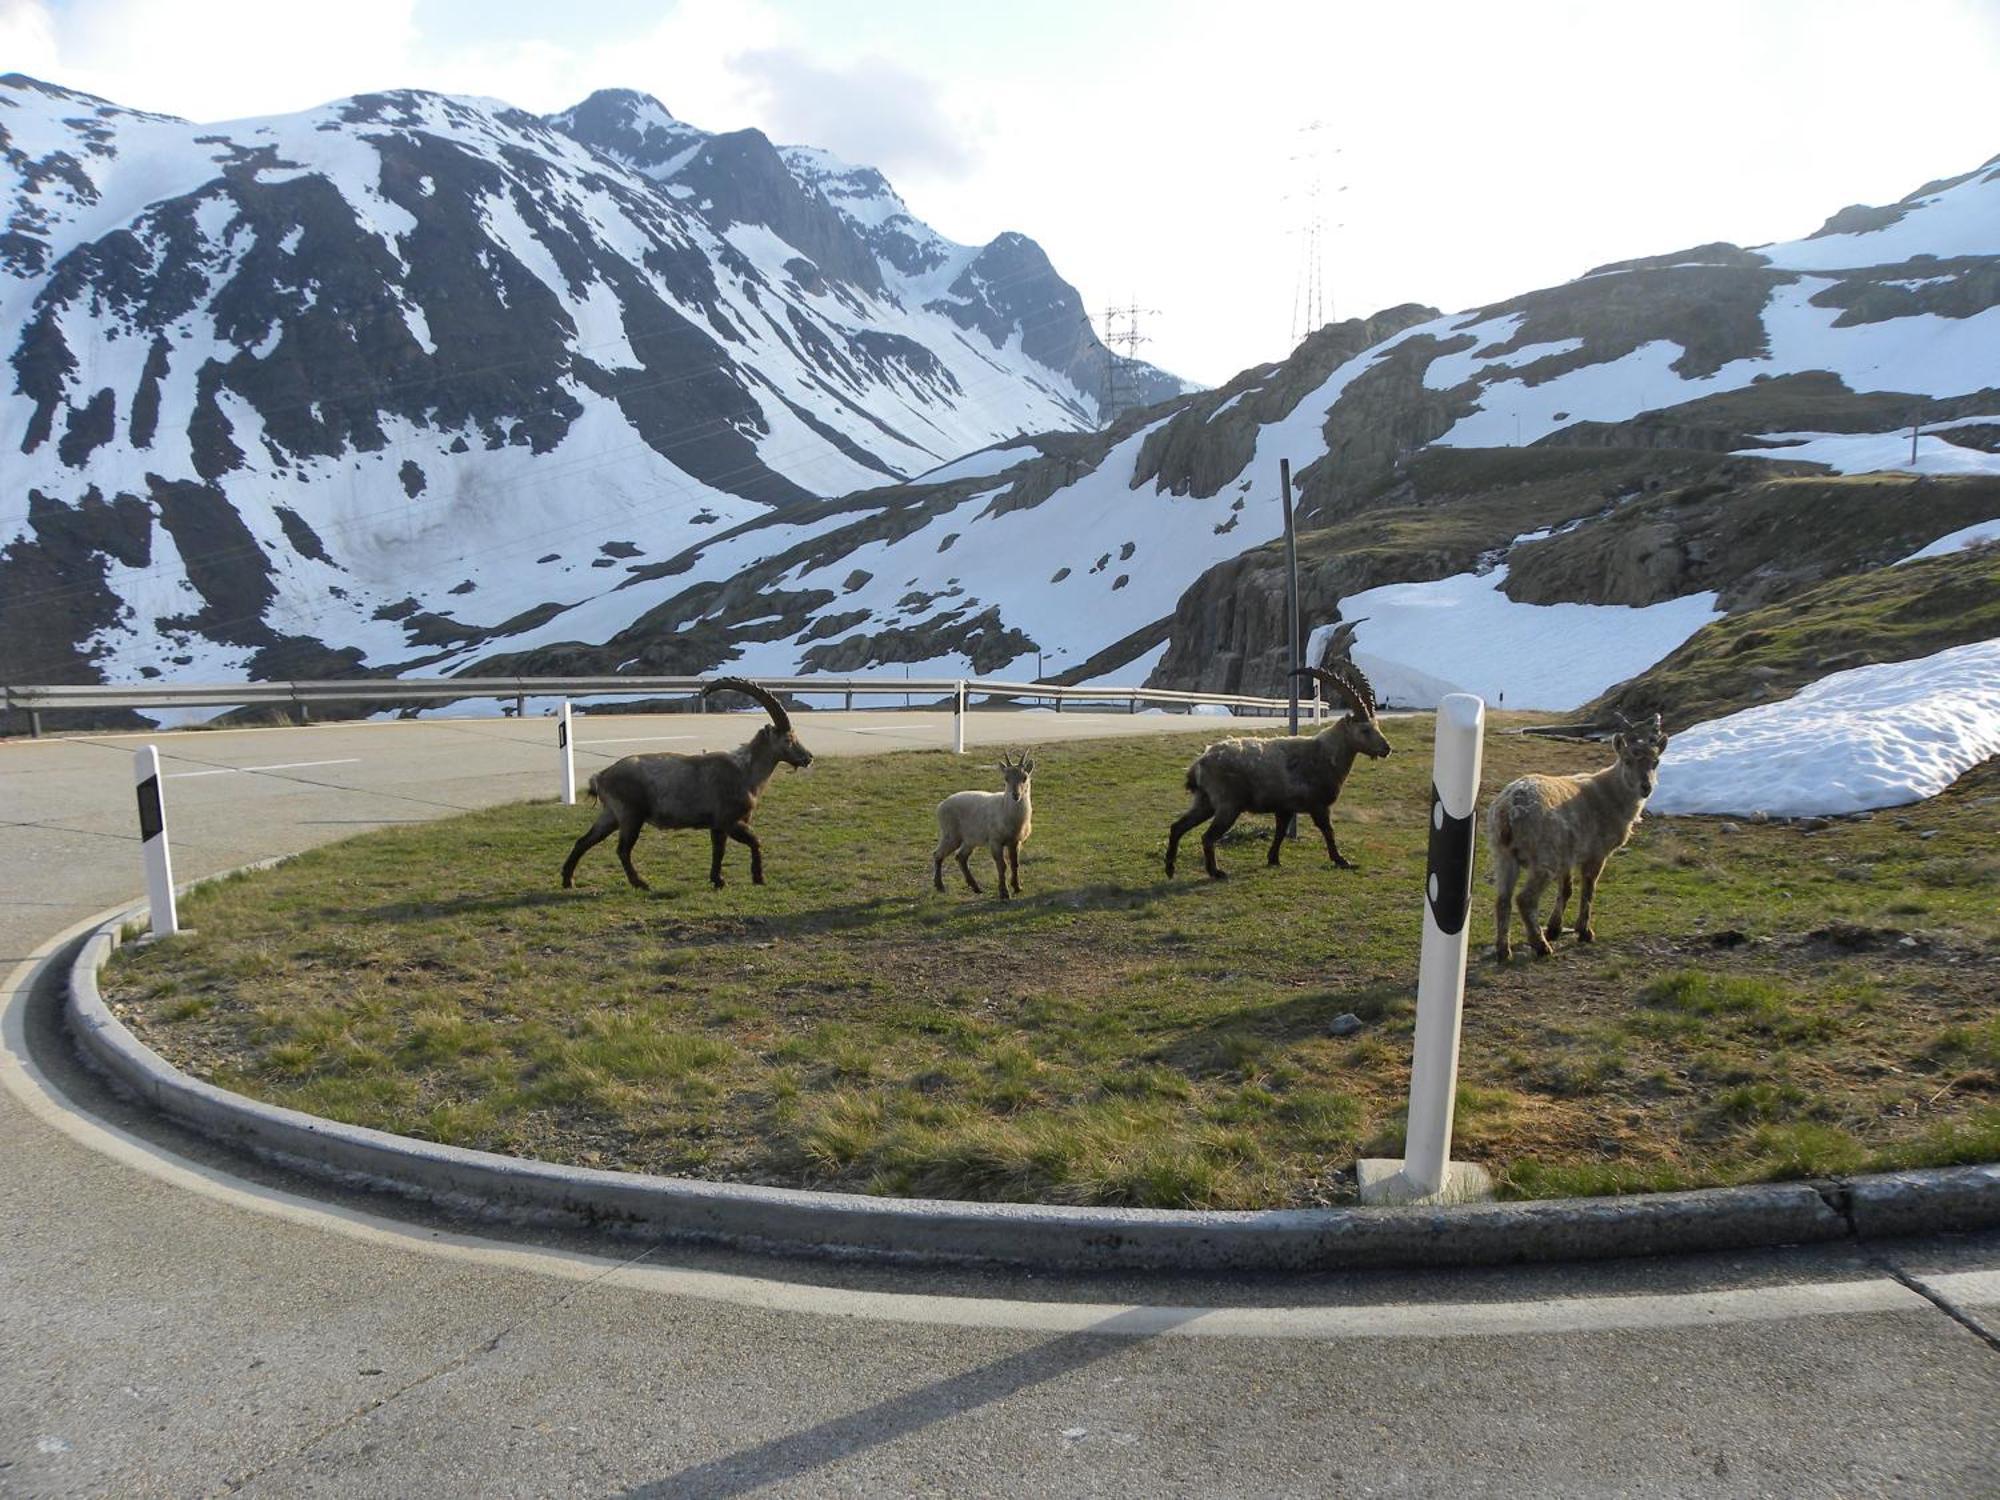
x=958 y=719
x=153 y=840
x=567 y=750
x=1427 y=1173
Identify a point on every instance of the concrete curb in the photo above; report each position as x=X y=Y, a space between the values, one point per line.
x=851 y=1226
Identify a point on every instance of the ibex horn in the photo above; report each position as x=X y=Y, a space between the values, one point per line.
x=750 y=690
x=1360 y=697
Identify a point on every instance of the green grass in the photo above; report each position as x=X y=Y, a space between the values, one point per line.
x=1111 y=1037
x=1886 y=614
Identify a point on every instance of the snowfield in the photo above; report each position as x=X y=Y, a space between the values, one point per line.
x=1876 y=452
x=1877 y=736
x=1463 y=635
x=1979 y=533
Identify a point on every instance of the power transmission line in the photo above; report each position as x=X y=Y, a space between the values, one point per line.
x=1122 y=338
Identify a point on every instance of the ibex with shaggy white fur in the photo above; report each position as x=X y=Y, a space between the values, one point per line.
x=717 y=791
x=1551 y=825
x=1294 y=775
x=997 y=821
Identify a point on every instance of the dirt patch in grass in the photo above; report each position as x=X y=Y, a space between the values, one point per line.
x=1763 y=1001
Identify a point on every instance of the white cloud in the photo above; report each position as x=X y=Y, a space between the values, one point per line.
x=1487 y=149
x=27 y=37
x=870 y=110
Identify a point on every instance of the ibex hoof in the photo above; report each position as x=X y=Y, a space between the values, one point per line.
x=756 y=879
x=1218 y=874
x=1542 y=950
x=1586 y=935
x=1552 y=933
x=718 y=884
x=1502 y=955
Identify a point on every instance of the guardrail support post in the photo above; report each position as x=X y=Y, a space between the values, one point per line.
x=958 y=718
x=153 y=842
x=1427 y=1173
x=34 y=723
x=566 y=748
x=850 y=700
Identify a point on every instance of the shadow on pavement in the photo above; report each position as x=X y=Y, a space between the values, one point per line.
x=799 y=1453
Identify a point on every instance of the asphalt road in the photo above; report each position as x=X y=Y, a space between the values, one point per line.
x=177 y=1322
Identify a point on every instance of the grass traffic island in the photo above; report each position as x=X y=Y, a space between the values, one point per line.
x=1763 y=1002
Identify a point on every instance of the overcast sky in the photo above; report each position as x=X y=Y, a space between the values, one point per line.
x=1166 y=153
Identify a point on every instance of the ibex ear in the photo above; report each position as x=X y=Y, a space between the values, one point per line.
x=1028 y=766
x=1618 y=743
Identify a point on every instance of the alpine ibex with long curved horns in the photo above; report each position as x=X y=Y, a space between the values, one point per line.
x=1291 y=775
x=717 y=791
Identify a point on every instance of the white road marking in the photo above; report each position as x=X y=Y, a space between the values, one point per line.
x=288 y=765
x=634 y=739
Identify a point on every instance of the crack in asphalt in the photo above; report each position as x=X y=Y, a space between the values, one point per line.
x=458 y=1361
x=1838 y=1195
x=1944 y=1304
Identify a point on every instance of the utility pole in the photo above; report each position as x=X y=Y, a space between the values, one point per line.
x=1916 y=426
x=1121 y=333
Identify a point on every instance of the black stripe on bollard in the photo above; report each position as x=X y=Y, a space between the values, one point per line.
x=152 y=822
x=1449 y=866
x=562 y=734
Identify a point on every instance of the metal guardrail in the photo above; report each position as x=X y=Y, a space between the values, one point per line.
x=35 y=700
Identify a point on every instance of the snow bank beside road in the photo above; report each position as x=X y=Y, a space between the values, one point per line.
x=1870 y=737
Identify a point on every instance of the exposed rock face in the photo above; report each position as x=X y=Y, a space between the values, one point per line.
x=1750 y=538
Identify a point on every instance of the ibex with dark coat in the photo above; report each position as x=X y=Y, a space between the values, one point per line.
x=717 y=791
x=1550 y=825
x=1293 y=775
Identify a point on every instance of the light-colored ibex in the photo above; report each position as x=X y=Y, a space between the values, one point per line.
x=1548 y=826
x=996 y=821
x=1293 y=775
x=717 y=791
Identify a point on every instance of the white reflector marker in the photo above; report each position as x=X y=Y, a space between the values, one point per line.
x=153 y=842
x=1427 y=1174
x=566 y=748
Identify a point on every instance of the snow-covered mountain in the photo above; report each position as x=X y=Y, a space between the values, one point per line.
x=1653 y=444
x=336 y=390
x=1534 y=499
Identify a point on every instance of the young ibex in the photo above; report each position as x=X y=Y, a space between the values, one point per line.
x=998 y=821
x=717 y=791
x=1294 y=775
x=1550 y=825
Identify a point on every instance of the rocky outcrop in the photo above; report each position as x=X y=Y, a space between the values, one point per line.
x=1749 y=538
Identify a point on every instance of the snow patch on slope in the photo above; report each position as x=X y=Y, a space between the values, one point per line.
x=1462 y=634
x=1876 y=736
x=1874 y=452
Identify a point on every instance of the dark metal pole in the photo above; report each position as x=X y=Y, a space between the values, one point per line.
x=1291 y=614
